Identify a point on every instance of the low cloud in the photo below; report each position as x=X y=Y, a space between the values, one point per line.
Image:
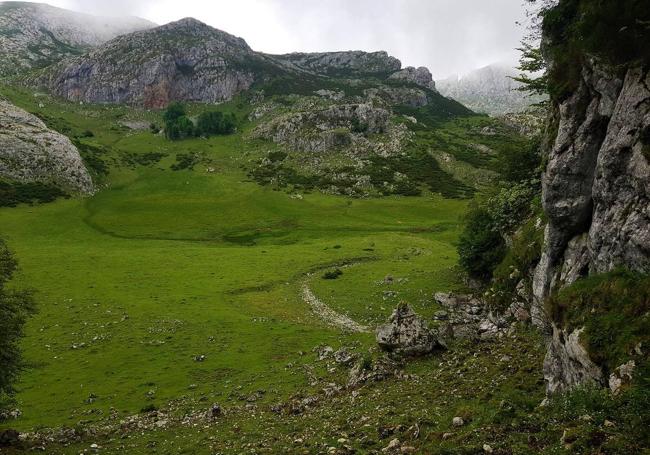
x=448 y=36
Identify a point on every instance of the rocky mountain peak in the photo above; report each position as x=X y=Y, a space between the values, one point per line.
x=35 y=35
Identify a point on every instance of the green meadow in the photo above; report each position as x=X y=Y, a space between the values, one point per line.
x=187 y=283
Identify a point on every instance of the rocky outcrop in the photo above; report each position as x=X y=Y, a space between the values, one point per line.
x=596 y=195
x=398 y=96
x=35 y=35
x=596 y=188
x=468 y=317
x=30 y=152
x=407 y=334
x=347 y=63
x=181 y=61
x=567 y=363
x=324 y=129
x=420 y=76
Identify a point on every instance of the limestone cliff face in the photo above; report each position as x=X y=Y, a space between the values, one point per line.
x=34 y=35
x=181 y=61
x=31 y=152
x=596 y=195
x=352 y=63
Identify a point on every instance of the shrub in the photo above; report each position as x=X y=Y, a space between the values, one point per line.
x=185 y=161
x=480 y=248
x=13 y=194
x=615 y=31
x=520 y=164
x=359 y=126
x=520 y=259
x=332 y=274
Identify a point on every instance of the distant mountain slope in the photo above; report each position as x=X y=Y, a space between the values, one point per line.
x=35 y=35
x=489 y=90
x=188 y=60
x=185 y=60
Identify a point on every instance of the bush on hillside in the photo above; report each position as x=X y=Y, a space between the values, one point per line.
x=15 y=308
x=15 y=193
x=480 y=248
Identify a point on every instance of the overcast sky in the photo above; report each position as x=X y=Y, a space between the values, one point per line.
x=448 y=36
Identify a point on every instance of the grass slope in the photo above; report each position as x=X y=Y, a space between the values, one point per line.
x=162 y=266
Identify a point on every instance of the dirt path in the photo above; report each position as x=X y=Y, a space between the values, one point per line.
x=328 y=315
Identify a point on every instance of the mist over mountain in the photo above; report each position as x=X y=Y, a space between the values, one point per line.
x=490 y=90
x=35 y=35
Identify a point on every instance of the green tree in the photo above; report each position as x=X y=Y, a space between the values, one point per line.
x=15 y=308
x=185 y=127
x=215 y=123
x=173 y=112
x=480 y=248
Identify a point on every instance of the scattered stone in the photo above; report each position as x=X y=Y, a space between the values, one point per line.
x=324 y=352
x=199 y=358
x=441 y=315
x=11 y=414
x=458 y=422
x=343 y=356
x=392 y=447
x=622 y=376
x=373 y=371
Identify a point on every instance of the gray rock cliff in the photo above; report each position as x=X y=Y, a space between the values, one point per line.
x=35 y=35
x=30 y=152
x=596 y=195
x=181 y=61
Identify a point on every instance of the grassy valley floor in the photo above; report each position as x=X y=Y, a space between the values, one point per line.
x=164 y=266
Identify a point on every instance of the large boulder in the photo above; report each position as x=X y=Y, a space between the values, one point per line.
x=407 y=334
x=31 y=152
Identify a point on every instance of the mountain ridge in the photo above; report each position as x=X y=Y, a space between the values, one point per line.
x=36 y=35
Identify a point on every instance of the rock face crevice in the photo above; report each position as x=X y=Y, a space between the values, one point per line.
x=596 y=195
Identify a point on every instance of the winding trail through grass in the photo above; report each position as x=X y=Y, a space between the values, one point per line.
x=327 y=314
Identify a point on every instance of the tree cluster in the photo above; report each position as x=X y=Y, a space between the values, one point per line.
x=212 y=123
